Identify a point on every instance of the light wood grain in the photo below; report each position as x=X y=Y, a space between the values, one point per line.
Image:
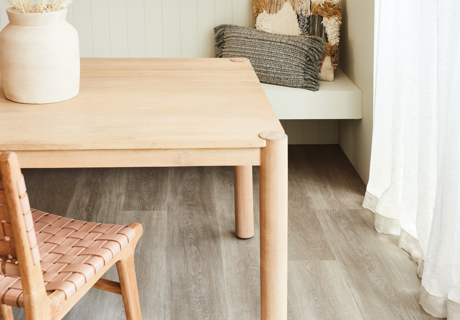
x=146 y=189
x=108 y=285
x=128 y=283
x=274 y=226
x=53 y=194
x=320 y=286
x=193 y=241
x=319 y=290
x=36 y=302
x=6 y=312
x=133 y=104
x=329 y=177
x=244 y=206
x=240 y=258
x=138 y=158
x=374 y=277
x=307 y=240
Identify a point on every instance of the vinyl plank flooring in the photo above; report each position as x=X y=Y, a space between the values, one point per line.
x=190 y=266
x=146 y=189
x=98 y=195
x=328 y=176
x=52 y=189
x=193 y=253
x=368 y=261
x=319 y=192
x=306 y=237
x=240 y=257
x=319 y=290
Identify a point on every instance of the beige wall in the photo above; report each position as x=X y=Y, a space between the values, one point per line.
x=357 y=61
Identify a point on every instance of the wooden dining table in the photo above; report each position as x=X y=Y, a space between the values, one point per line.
x=170 y=113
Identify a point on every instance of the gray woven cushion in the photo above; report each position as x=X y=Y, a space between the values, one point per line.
x=291 y=61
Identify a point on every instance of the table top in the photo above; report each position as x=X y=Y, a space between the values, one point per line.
x=147 y=104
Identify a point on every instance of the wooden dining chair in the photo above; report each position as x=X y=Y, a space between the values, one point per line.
x=49 y=262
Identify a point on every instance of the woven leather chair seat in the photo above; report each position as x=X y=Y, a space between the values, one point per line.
x=71 y=253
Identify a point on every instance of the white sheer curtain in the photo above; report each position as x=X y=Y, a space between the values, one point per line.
x=414 y=186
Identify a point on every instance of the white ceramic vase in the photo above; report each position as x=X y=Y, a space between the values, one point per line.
x=39 y=57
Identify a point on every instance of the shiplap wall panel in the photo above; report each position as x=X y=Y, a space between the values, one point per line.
x=135 y=16
x=189 y=28
x=310 y=132
x=293 y=129
x=118 y=27
x=100 y=28
x=82 y=22
x=206 y=24
x=242 y=11
x=328 y=131
x=3 y=16
x=170 y=28
x=153 y=28
x=223 y=12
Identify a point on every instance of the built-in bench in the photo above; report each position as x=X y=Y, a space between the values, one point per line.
x=340 y=99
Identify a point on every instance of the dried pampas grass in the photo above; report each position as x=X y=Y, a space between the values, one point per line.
x=24 y=6
x=326 y=9
x=337 y=2
x=43 y=6
x=260 y=6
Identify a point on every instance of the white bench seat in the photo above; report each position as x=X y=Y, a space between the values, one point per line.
x=340 y=99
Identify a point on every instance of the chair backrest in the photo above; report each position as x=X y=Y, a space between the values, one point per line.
x=17 y=238
x=17 y=223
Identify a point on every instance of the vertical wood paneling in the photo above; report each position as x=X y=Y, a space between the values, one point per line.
x=189 y=28
x=3 y=17
x=70 y=14
x=206 y=23
x=118 y=27
x=153 y=28
x=171 y=28
x=223 y=11
x=241 y=12
x=328 y=132
x=293 y=129
x=82 y=22
x=136 y=28
x=100 y=28
x=310 y=132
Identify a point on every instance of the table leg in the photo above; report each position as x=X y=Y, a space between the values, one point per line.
x=274 y=226
x=244 y=207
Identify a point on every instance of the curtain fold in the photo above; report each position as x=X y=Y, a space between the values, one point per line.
x=414 y=185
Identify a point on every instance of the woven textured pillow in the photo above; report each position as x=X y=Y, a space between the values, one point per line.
x=291 y=61
x=321 y=18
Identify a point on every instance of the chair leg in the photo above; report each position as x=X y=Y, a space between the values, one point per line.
x=6 y=313
x=128 y=283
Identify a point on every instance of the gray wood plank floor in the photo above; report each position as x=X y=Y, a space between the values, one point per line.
x=190 y=265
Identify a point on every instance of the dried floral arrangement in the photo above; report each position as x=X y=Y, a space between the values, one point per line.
x=321 y=18
x=26 y=6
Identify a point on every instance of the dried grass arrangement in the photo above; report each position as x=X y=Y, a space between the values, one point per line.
x=43 y=6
